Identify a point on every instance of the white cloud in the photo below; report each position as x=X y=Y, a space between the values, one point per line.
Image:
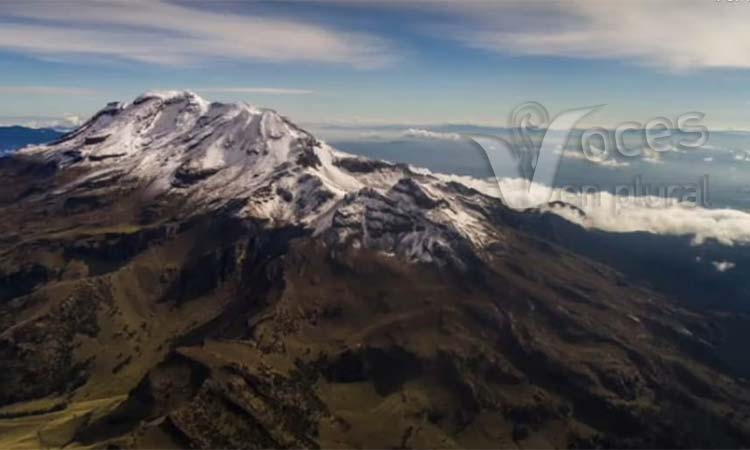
x=256 y=90
x=418 y=133
x=662 y=216
x=653 y=158
x=609 y=162
x=168 y=34
x=46 y=90
x=672 y=34
x=64 y=122
x=723 y=266
x=72 y=120
x=617 y=213
x=624 y=214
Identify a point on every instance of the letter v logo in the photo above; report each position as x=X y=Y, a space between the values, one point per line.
x=536 y=167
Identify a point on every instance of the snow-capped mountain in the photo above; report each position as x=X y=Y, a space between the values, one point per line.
x=191 y=274
x=176 y=143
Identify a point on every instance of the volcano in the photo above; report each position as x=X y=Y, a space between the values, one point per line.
x=178 y=273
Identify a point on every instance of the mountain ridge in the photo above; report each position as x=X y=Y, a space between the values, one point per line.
x=316 y=299
x=213 y=154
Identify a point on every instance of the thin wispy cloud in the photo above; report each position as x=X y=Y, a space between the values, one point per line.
x=64 y=122
x=418 y=133
x=256 y=90
x=608 y=162
x=46 y=90
x=158 y=32
x=674 y=35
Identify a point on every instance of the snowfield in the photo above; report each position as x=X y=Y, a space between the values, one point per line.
x=213 y=153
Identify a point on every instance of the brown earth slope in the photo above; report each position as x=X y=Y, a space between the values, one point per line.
x=127 y=322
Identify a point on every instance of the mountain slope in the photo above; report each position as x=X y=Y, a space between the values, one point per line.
x=190 y=274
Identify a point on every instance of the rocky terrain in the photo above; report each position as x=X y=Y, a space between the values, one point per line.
x=177 y=273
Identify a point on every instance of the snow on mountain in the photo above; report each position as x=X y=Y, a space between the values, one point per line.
x=177 y=143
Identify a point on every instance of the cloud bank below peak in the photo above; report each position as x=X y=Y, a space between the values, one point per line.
x=622 y=214
x=65 y=122
x=419 y=133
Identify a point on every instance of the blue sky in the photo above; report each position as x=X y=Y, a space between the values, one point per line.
x=372 y=63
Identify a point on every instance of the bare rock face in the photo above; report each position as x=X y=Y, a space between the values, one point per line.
x=180 y=274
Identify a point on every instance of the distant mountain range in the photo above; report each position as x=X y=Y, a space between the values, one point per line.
x=15 y=137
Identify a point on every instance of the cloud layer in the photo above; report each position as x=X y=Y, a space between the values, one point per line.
x=170 y=34
x=671 y=34
x=623 y=214
x=418 y=133
x=256 y=90
x=65 y=122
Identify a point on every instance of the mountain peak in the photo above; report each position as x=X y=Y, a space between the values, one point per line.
x=177 y=142
x=170 y=97
x=166 y=121
x=174 y=144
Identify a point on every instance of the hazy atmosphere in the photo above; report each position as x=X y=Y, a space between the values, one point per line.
x=381 y=62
